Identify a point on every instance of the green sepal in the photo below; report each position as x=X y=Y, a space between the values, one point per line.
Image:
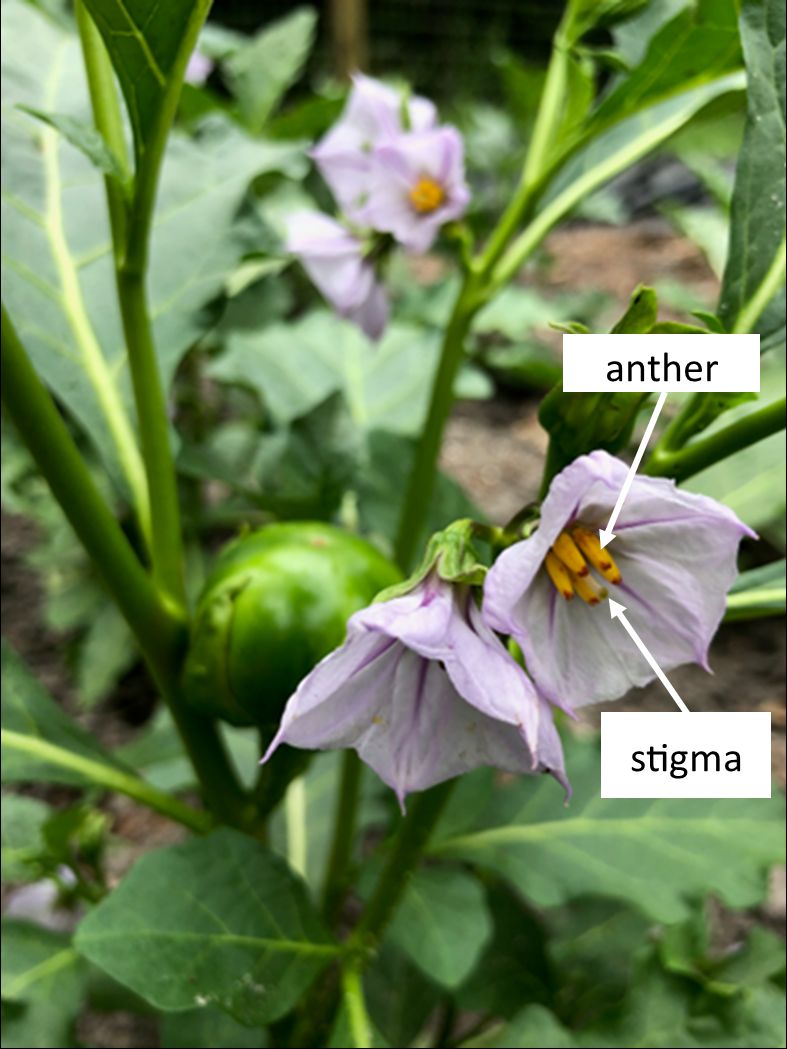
x=451 y=554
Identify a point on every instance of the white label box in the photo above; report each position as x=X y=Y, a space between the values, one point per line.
x=675 y=363
x=678 y=755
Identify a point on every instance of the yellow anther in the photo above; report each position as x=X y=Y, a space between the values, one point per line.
x=559 y=575
x=588 y=589
x=426 y=195
x=567 y=550
x=599 y=557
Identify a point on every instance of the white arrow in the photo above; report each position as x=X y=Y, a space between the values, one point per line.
x=606 y=535
x=616 y=612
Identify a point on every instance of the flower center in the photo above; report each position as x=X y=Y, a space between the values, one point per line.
x=426 y=195
x=570 y=559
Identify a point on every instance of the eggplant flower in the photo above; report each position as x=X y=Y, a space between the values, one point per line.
x=335 y=262
x=198 y=69
x=674 y=560
x=373 y=114
x=424 y=691
x=417 y=185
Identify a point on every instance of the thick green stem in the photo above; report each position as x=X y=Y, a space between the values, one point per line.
x=405 y=853
x=108 y=119
x=154 y=435
x=345 y=822
x=352 y=992
x=542 y=143
x=403 y=858
x=110 y=778
x=700 y=454
x=420 y=484
x=158 y=629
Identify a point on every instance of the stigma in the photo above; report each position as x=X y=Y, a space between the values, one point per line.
x=426 y=195
x=570 y=560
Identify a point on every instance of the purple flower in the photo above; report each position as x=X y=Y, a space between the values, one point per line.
x=198 y=69
x=674 y=559
x=417 y=184
x=424 y=691
x=372 y=115
x=334 y=260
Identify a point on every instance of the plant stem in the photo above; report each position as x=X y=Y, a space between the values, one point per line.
x=109 y=777
x=406 y=851
x=108 y=119
x=352 y=991
x=345 y=822
x=160 y=632
x=420 y=484
x=154 y=436
x=706 y=451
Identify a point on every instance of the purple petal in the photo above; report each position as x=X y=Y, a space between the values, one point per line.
x=339 y=699
x=677 y=556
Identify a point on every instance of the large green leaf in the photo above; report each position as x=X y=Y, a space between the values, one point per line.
x=218 y=920
x=629 y=139
x=23 y=842
x=294 y=367
x=442 y=923
x=755 y=270
x=29 y=715
x=655 y=853
x=43 y=979
x=260 y=72
x=143 y=41
x=699 y=44
x=207 y=1028
x=57 y=277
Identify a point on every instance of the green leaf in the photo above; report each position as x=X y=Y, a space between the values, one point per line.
x=594 y=947
x=43 y=980
x=144 y=43
x=751 y=482
x=399 y=997
x=755 y=271
x=656 y=854
x=535 y=1026
x=30 y=715
x=260 y=72
x=85 y=138
x=218 y=920
x=23 y=843
x=627 y=140
x=514 y=966
x=442 y=923
x=207 y=1028
x=300 y=471
x=106 y=653
x=758 y=592
x=294 y=367
x=58 y=281
x=696 y=46
x=383 y=479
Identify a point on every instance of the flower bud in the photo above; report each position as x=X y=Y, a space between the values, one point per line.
x=277 y=601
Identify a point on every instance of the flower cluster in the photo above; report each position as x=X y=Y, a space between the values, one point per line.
x=394 y=171
x=425 y=687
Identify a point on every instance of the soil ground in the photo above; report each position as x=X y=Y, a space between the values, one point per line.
x=494 y=449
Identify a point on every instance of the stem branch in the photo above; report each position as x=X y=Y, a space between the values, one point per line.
x=103 y=775
x=346 y=818
x=685 y=462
